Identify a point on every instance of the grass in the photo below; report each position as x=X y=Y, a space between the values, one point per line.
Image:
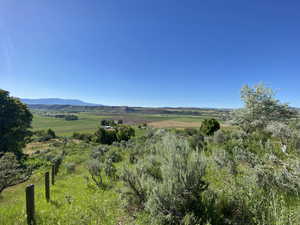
x=74 y=200
x=89 y=122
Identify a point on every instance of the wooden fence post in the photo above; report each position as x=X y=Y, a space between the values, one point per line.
x=47 y=186
x=30 y=208
x=53 y=174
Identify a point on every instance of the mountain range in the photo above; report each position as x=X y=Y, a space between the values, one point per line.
x=56 y=101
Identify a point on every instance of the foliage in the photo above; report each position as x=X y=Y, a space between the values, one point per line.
x=83 y=136
x=10 y=171
x=95 y=168
x=209 y=126
x=51 y=133
x=260 y=109
x=190 y=131
x=15 y=121
x=70 y=167
x=43 y=135
x=125 y=133
x=119 y=133
x=220 y=137
x=114 y=156
x=110 y=169
x=111 y=123
x=71 y=117
x=105 y=136
x=169 y=183
x=196 y=142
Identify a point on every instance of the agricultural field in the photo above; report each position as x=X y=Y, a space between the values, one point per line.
x=89 y=122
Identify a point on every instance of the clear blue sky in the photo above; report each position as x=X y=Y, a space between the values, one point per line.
x=150 y=52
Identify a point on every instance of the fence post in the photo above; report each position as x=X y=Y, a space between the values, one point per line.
x=30 y=208
x=53 y=174
x=47 y=186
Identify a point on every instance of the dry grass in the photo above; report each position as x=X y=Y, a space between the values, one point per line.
x=173 y=124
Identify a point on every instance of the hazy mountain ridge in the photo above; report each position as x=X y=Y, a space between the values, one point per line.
x=56 y=101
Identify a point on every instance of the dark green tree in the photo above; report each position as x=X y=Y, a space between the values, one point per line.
x=209 y=126
x=15 y=121
x=125 y=133
x=105 y=136
x=51 y=133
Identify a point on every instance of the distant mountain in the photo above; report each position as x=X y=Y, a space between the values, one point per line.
x=56 y=101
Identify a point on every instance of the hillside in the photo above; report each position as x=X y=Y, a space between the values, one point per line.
x=56 y=101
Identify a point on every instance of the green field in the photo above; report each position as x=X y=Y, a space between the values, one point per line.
x=89 y=122
x=86 y=123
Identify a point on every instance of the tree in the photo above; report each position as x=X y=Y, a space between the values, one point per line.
x=71 y=117
x=105 y=136
x=125 y=133
x=15 y=121
x=10 y=172
x=209 y=126
x=260 y=109
x=51 y=133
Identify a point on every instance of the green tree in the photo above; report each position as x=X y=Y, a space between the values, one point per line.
x=15 y=121
x=51 y=133
x=125 y=133
x=105 y=136
x=209 y=126
x=260 y=109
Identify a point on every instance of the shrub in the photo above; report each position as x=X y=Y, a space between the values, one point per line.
x=83 y=137
x=51 y=133
x=109 y=169
x=169 y=183
x=71 y=117
x=114 y=156
x=220 y=137
x=190 y=131
x=70 y=167
x=95 y=168
x=10 y=171
x=99 y=152
x=209 y=126
x=196 y=142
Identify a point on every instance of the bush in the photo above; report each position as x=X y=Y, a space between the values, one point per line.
x=70 y=167
x=83 y=137
x=190 y=131
x=220 y=137
x=114 y=156
x=95 y=168
x=209 y=126
x=10 y=171
x=71 y=117
x=109 y=169
x=196 y=142
x=168 y=183
x=99 y=152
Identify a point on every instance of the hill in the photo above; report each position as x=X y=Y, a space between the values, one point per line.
x=56 y=101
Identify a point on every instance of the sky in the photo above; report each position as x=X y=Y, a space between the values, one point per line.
x=193 y=53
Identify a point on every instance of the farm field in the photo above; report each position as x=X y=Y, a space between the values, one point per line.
x=89 y=122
